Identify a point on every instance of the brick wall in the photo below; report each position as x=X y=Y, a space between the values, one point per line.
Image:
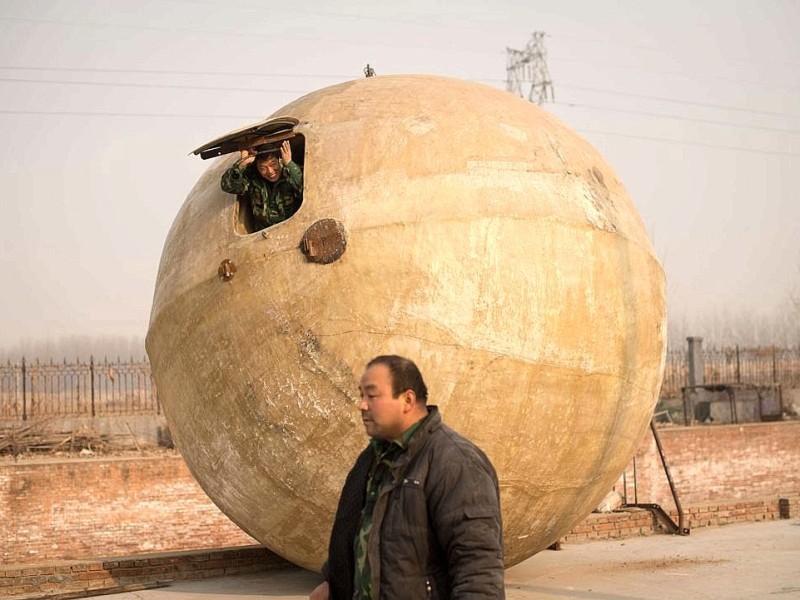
x=78 y=578
x=718 y=463
x=632 y=522
x=73 y=509
x=73 y=579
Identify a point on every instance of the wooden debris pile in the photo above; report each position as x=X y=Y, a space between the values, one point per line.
x=41 y=437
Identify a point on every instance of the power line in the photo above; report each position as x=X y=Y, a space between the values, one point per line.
x=688 y=102
x=305 y=91
x=236 y=34
x=259 y=7
x=677 y=118
x=296 y=35
x=253 y=118
x=685 y=143
x=348 y=77
x=169 y=86
x=659 y=50
x=87 y=113
x=463 y=26
x=681 y=74
x=179 y=72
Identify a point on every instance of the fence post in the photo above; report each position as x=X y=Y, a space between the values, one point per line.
x=24 y=391
x=696 y=366
x=774 y=365
x=91 y=379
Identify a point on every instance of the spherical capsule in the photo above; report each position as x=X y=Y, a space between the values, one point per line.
x=461 y=227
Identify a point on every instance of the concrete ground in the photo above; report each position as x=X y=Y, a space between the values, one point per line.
x=744 y=561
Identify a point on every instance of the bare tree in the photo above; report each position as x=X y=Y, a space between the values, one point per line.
x=77 y=347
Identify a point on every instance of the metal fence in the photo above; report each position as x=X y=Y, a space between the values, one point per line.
x=757 y=366
x=31 y=390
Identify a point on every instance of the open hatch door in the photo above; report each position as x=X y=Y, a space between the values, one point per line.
x=264 y=135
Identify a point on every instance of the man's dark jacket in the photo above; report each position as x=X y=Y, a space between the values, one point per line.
x=436 y=529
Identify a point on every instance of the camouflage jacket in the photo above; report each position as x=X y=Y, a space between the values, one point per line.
x=270 y=203
x=436 y=528
x=386 y=454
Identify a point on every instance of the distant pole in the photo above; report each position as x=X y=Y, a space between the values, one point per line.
x=528 y=67
x=696 y=366
x=738 y=366
x=91 y=381
x=369 y=71
x=24 y=391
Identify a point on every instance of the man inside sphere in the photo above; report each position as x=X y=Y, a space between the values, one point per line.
x=271 y=183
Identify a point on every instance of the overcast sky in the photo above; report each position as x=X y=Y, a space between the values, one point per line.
x=695 y=104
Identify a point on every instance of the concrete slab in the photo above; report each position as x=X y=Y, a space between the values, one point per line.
x=742 y=562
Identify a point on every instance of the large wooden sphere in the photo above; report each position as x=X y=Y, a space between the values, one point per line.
x=485 y=240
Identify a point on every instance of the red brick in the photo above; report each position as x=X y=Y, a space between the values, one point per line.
x=91 y=575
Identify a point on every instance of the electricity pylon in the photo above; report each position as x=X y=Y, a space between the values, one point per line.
x=529 y=66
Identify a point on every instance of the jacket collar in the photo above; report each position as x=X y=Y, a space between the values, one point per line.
x=429 y=424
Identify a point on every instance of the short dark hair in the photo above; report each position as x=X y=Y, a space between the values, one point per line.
x=405 y=375
x=261 y=156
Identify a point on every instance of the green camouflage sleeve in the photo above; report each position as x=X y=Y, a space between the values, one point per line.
x=234 y=180
x=294 y=175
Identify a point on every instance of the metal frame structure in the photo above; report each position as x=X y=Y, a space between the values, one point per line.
x=529 y=67
x=658 y=512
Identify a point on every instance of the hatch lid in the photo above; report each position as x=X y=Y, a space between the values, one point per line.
x=262 y=136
